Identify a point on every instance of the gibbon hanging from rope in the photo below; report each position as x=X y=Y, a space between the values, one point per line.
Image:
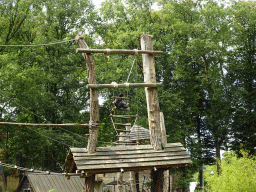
x=120 y=103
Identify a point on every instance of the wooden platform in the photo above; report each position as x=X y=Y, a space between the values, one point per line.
x=125 y=158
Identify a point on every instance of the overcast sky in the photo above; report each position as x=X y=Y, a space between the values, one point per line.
x=97 y=2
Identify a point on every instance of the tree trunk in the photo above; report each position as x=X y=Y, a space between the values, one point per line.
x=94 y=109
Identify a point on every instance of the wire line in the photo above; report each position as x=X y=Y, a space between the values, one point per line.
x=37 y=44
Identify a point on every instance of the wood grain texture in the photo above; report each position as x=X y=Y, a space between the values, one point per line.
x=151 y=92
x=117 y=51
x=94 y=103
x=97 y=86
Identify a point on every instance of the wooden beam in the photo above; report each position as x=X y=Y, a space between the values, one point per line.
x=94 y=107
x=128 y=156
x=118 y=51
x=94 y=103
x=163 y=130
x=152 y=106
x=151 y=92
x=135 y=164
x=126 y=85
x=44 y=125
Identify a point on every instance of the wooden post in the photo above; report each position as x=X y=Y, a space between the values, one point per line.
x=151 y=93
x=94 y=108
x=164 y=142
x=163 y=130
x=120 y=187
x=152 y=107
x=166 y=181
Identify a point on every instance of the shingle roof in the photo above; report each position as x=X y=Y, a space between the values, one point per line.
x=128 y=158
x=139 y=133
x=44 y=183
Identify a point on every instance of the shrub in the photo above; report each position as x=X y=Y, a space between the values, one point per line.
x=237 y=174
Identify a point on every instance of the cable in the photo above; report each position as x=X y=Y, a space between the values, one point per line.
x=37 y=44
x=27 y=169
x=49 y=137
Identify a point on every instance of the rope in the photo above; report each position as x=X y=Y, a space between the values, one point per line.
x=41 y=117
x=27 y=169
x=37 y=44
x=135 y=59
x=49 y=137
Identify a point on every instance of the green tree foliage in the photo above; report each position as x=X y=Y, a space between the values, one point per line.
x=43 y=84
x=241 y=75
x=207 y=71
x=237 y=174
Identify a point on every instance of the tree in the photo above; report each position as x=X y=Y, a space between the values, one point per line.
x=241 y=74
x=237 y=174
x=42 y=84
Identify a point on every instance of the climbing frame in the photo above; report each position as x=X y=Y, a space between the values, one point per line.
x=159 y=155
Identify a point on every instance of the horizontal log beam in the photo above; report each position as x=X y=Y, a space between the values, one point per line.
x=126 y=85
x=123 y=116
x=44 y=125
x=118 y=51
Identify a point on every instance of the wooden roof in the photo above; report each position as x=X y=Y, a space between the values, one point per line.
x=44 y=182
x=139 y=133
x=129 y=158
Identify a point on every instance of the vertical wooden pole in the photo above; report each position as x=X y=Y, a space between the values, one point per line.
x=94 y=108
x=166 y=181
x=164 y=143
x=120 y=187
x=151 y=93
x=132 y=173
x=132 y=181
x=152 y=107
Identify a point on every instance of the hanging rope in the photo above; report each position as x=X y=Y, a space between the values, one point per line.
x=135 y=59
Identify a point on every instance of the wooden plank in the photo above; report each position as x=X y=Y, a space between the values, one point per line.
x=109 y=153
x=123 y=130
x=140 y=147
x=78 y=150
x=134 y=149
x=118 y=51
x=141 y=168
x=124 y=124
x=128 y=165
x=123 y=116
x=134 y=160
x=163 y=130
x=128 y=85
x=131 y=156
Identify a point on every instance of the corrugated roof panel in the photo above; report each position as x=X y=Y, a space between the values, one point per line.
x=139 y=133
x=44 y=183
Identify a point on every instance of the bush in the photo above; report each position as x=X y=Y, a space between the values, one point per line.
x=237 y=174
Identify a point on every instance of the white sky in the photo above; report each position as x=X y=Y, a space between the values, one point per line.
x=97 y=2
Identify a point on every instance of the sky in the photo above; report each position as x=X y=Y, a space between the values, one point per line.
x=97 y=2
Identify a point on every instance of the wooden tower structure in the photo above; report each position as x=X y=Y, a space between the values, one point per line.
x=158 y=156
